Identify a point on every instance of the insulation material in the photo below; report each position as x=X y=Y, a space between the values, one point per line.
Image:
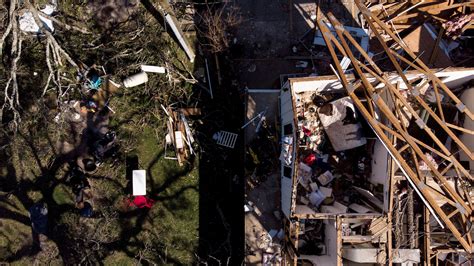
x=340 y=123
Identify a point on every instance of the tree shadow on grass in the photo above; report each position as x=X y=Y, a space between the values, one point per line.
x=45 y=183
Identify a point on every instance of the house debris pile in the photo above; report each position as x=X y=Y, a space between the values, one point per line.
x=261 y=153
x=438 y=32
x=332 y=149
x=91 y=142
x=262 y=243
x=180 y=135
x=376 y=160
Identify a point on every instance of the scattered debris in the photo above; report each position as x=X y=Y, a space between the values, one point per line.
x=339 y=119
x=356 y=146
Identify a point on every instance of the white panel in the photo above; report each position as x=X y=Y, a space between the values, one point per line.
x=467 y=98
x=326 y=83
x=379 y=174
x=139 y=182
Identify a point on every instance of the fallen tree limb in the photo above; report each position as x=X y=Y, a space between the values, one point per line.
x=66 y=26
x=49 y=35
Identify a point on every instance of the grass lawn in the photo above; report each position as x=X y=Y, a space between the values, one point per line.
x=165 y=234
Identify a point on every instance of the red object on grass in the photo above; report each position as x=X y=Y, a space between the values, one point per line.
x=142 y=202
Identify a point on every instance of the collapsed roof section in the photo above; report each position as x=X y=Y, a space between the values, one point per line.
x=416 y=117
x=404 y=16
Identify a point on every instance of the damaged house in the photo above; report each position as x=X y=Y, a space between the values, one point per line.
x=335 y=184
x=376 y=166
x=339 y=181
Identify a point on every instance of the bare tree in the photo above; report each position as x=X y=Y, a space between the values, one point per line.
x=215 y=26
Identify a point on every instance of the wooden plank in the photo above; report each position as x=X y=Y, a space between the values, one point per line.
x=339 y=27
x=368 y=16
x=431 y=112
x=436 y=47
x=339 y=240
x=427 y=235
x=356 y=239
x=438 y=101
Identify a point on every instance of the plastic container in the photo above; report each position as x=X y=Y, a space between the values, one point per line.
x=135 y=80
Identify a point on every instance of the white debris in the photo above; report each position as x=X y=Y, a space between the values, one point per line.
x=153 y=69
x=135 y=80
x=27 y=22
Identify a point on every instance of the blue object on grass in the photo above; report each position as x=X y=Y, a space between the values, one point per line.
x=95 y=82
x=87 y=210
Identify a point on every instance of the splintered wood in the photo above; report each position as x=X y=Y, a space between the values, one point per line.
x=179 y=133
x=402 y=16
x=395 y=103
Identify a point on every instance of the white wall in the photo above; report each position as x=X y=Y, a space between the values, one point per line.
x=467 y=98
x=286 y=189
x=322 y=83
x=331 y=238
x=286 y=115
x=380 y=171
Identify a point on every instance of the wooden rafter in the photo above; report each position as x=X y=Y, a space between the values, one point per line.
x=415 y=149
